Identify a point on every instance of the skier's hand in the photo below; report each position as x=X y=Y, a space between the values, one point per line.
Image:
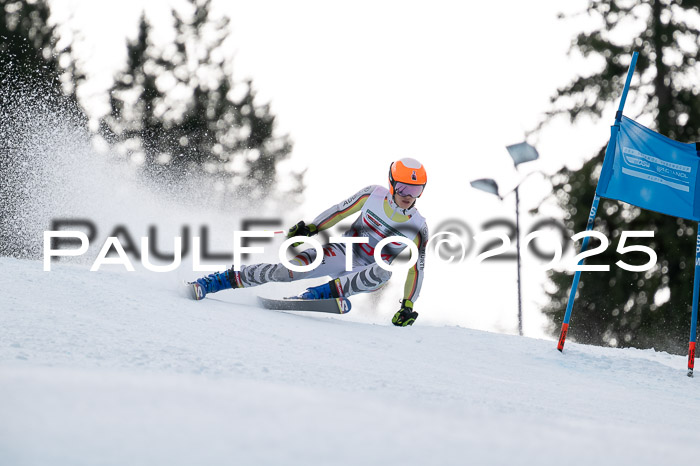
x=302 y=229
x=406 y=315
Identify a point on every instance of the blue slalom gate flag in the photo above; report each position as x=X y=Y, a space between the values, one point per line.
x=651 y=171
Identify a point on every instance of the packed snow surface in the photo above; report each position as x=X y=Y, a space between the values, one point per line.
x=119 y=368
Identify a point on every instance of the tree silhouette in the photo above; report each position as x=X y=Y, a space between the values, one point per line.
x=179 y=110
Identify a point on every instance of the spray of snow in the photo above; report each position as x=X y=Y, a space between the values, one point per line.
x=55 y=170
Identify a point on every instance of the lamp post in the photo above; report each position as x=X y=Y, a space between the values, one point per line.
x=520 y=153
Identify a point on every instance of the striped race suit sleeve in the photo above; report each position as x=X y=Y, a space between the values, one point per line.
x=414 y=279
x=344 y=209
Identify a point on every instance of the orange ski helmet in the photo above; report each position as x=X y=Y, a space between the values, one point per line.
x=407 y=177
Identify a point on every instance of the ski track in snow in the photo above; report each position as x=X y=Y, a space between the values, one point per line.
x=120 y=368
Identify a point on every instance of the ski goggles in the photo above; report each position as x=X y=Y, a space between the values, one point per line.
x=413 y=190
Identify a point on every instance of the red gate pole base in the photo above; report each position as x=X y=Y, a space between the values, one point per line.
x=562 y=337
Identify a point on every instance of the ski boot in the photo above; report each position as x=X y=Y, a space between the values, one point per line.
x=214 y=282
x=329 y=290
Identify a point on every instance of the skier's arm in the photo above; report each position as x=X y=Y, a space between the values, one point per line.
x=414 y=279
x=332 y=215
x=406 y=315
x=340 y=211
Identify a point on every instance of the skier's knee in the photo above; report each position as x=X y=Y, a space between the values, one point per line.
x=383 y=274
x=281 y=274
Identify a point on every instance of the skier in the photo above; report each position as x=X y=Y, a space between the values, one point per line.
x=383 y=212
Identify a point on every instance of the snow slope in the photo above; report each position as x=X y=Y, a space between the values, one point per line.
x=118 y=368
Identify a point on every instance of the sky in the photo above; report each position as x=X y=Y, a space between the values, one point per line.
x=358 y=85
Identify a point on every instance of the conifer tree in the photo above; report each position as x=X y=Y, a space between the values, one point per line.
x=135 y=122
x=192 y=118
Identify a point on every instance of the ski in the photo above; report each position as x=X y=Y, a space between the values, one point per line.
x=331 y=306
x=194 y=290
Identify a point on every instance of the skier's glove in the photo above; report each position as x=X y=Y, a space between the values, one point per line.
x=302 y=229
x=406 y=315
